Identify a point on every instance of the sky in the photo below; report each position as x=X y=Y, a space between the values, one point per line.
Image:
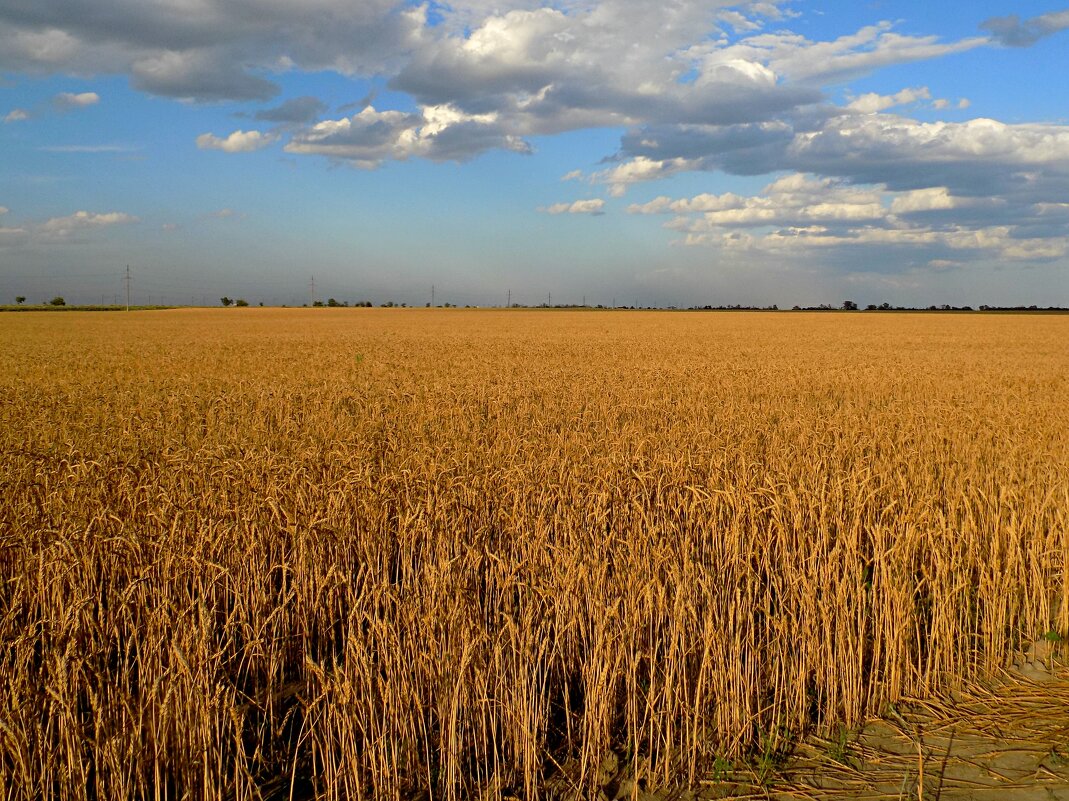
x=685 y=152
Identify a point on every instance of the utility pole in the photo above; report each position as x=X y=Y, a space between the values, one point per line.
x=312 y=291
x=432 y=296
x=584 y=301
x=549 y=299
x=127 y=280
x=508 y=303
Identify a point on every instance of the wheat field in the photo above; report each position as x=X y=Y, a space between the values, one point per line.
x=446 y=554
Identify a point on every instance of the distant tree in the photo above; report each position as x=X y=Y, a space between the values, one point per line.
x=332 y=302
x=225 y=301
x=849 y=305
x=241 y=302
x=871 y=307
x=317 y=303
x=20 y=299
x=57 y=301
x=261 y=303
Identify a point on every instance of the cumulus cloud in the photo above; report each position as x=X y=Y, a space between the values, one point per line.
x=641 y=169
x=16 y=115
x=70 y=100
x=504 y=71
x=591 y=206
x=208 y=49
x=797 y=58
x=59 y=229
x=800 y=212
x=198 y=75
x=440 y=133
x=978 y=157
x=237 y=142
x=85 y=219
x=696 y=85
x=872 y=102
x=1012 y=31
x=545 y=71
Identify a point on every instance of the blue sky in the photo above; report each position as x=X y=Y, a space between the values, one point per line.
x=682 y=153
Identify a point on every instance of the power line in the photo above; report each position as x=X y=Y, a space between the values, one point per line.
x=127 y=280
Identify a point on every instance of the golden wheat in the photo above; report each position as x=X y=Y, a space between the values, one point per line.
x=366 y=554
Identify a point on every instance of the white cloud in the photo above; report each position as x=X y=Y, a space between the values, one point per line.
x=872 y=102
x=794 y=200
x=591 y=206
x=59 y=229
x=484 y=74
x=980 y=157
x=85 y=219
x=698 y=203
x=877 y=140
x=641 y=169
x=801 y=212
x=17 y=115
x=797 y=58
x=440 y=133
x=68 y=100
x=11 y=236
x=237 y=142
x=931 y=199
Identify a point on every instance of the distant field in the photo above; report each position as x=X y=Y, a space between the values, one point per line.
x=48 y=307
x=373 y=553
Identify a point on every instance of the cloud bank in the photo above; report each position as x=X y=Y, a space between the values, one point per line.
x=699 y=86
